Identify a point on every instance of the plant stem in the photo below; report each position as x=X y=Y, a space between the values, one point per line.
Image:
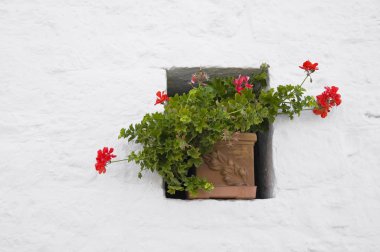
x=282 y=113
x=187 y=100
x=115 y=161
x=233 y=112
x=308 y=75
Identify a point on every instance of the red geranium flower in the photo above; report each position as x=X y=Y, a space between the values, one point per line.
x=103 y=158
x=240 y=81
x=238 y=88
x=322 y=111
x=161 y=97
x=309 y=67
x=334 y=96
x=248 y=85
x=199 y=77
x=194 y=79
x=328 y=99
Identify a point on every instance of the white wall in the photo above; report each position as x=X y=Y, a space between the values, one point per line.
x=73 y=72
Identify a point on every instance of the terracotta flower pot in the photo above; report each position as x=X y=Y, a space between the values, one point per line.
x=230 y=167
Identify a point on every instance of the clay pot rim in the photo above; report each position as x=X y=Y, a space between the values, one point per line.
x=243 y=137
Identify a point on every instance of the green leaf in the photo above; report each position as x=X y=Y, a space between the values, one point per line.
x=122 y=134
x=194 y=152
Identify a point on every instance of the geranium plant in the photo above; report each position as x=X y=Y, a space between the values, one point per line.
x=173 y=141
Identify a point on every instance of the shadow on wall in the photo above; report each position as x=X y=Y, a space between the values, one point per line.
x=177 y=83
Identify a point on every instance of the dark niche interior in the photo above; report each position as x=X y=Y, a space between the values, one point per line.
x=177 y=83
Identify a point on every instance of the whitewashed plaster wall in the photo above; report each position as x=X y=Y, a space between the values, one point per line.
x=73 y=72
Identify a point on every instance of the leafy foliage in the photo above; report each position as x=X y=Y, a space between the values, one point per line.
x=175 y=140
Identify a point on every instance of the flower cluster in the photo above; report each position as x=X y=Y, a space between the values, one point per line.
x=240 y=81
x=328 y=99
x=199 y=77
x=161 y=97
x=104 y=157
x=309 y=67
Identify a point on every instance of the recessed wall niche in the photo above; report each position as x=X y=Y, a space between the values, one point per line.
x=177 y=83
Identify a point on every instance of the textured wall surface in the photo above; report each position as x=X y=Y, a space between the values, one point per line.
x=73 y=72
